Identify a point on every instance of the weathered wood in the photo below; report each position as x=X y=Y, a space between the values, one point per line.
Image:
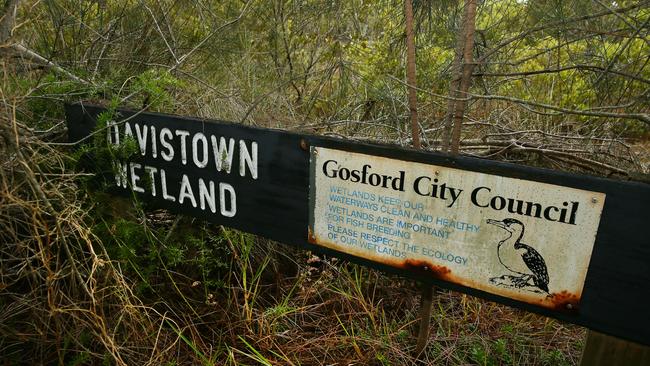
x=426 y=303
x=604 y=350
x=276 y=205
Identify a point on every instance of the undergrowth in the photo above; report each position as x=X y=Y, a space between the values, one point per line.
x=88 y=278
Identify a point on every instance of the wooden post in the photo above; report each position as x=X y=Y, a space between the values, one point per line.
x=426 y=302
x=604 y=350
x=427 y=290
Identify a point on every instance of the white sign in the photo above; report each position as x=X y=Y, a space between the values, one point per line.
x=520 y=239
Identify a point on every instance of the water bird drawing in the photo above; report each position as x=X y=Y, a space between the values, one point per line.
x=527 y=268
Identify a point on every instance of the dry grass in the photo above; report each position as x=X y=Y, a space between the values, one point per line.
x=60 y=296
x=64 y=301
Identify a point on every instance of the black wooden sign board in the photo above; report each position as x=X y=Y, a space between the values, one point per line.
x=258 y=180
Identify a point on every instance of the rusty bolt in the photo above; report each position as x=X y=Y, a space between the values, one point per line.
x=437 y=172
x=303 y=144
x=594 y=200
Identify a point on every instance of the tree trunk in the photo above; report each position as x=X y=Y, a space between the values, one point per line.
x=462 y=80
x=8 y=20
x=454 y=84
x=410 y=73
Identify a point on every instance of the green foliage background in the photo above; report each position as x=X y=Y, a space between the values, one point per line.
x=172 y=290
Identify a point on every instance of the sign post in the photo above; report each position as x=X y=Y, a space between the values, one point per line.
x=604 y=350
x=567 y=246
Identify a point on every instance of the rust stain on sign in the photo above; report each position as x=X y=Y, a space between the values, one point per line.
x=427 y=268
x=524 y=240
x=412 y=265
x=565 y=302
x=562 y=301
x=311 y=238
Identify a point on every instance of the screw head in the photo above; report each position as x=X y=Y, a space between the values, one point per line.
x=594 y=200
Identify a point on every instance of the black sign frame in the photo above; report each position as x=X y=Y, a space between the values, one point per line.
x=616 y=293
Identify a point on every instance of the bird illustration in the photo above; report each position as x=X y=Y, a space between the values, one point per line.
x=519 y=258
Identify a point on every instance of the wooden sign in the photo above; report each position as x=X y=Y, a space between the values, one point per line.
x=569 y=246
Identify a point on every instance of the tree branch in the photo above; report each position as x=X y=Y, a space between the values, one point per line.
x=8 y=20
x=643 y=117
x=33 y=56
x=200 y=44
x=560 y=69
x=530 y=31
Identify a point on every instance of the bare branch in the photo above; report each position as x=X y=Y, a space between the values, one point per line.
x=542 y=27
x=8 y=20
x=162 y=35
x=621 y=17
x=643 y=117
x=24 y=52
x=561 y=69
x=620 y=51
x=207 y=38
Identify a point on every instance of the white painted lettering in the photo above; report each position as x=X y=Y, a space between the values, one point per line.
x=120 y=174
x=112 y=133
x=163 y=185
x=169 y=155
x=200 y=137
x=154 y=147
x=223 y=187
x=186 y=191
x=142 y=137
x=248 y=159
x=223 y=153
x=152 y=176
x=135 y=178
x=127 y=130
x=183 y=135
x=207 y=195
